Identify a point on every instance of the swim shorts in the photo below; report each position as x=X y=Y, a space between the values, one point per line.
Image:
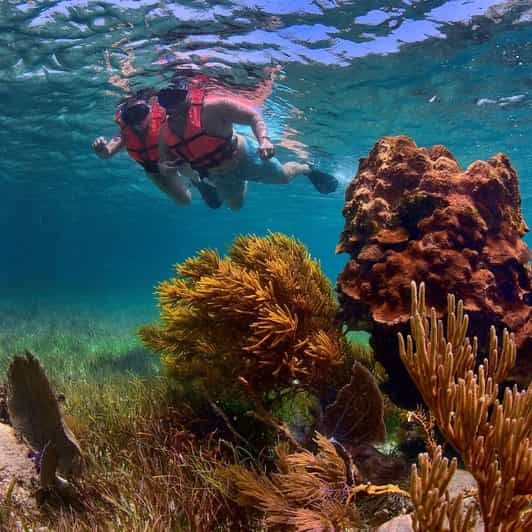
x=250 y=167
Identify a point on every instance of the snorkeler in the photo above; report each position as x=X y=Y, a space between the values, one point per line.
x=199 y=130
x=140 y=119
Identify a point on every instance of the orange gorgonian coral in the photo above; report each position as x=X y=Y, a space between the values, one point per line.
x=492 y=435
x=265 y=312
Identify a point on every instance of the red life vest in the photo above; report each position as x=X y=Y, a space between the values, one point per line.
x=144 y=151
x=200 y=150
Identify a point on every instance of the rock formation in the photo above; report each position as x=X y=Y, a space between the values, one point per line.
x=413 y=214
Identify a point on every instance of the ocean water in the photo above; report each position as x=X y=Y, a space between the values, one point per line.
x=87 y=235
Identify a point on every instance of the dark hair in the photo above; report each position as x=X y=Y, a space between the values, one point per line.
x=173 y=95
x=142 y=94
x=146 y=93
x=134 y=112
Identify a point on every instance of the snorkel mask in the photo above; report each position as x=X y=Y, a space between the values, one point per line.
x=174 y=95
x=133 y=114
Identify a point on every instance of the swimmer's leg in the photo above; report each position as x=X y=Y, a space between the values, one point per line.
x=272 y=171
x=233 y=194
x=292 y=169
x=174 y=186
x=209 y=193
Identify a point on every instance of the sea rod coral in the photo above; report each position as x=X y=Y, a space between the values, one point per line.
x=493 y=437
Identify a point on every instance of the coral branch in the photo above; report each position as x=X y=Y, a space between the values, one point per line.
x=433 y=510
x=265 y=312
x=493 y=437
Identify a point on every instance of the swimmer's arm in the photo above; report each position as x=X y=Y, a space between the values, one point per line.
x=186 y=170
x=167 y=165
x=105 y=149
x=234 y=112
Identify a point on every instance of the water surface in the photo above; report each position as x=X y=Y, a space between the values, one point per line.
x=78 y=230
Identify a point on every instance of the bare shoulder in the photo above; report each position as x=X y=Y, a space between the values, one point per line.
x=214 y=101
x=217 y=115
x=221 y=112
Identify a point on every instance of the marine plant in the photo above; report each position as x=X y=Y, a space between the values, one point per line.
x=492 y=436
x=74 y=343
x=307 y=491
x=6 y=504
x=263 y=315
x=144 y=470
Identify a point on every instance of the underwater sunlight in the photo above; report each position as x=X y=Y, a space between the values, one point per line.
x=266 y=265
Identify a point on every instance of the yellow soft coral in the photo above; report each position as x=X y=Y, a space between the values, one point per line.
x=265 y=312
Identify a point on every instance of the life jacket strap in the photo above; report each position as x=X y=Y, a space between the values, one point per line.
x=144 y=149
x=216 y=156
x=186 y=141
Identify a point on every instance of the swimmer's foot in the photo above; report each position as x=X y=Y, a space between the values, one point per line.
x=324 y=183
x=209 y=194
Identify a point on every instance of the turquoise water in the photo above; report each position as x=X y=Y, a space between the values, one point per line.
x=79 y=231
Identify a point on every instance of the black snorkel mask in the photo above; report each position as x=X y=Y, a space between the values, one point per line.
x=135 y=113
x=175 y=95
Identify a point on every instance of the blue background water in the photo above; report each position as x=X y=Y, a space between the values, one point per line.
x=78 y=230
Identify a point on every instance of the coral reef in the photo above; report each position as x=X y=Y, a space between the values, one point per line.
x=265 y=314
x=256 y=331
x=493 y=437
x=412 y=214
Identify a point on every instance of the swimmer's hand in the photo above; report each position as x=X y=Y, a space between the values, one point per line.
x=266 y=149
x=101 y=149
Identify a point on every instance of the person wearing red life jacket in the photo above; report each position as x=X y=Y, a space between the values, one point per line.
x=140 y=119
x=199 y=130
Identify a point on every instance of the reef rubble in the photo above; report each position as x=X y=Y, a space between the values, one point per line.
x=412 y=213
